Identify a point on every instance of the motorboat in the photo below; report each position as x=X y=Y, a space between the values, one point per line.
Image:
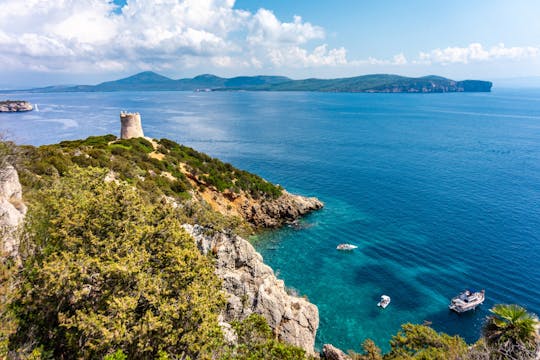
x=385 y=300
x=346 y=247
x=467 y=300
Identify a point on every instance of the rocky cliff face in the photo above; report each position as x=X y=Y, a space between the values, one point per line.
x=274 y=213
x=252 y=287
x=262 y=213
x=12 y=210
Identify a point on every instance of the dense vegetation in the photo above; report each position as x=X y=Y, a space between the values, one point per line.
x=508 y=334
x=107 y=273
x=161 y=171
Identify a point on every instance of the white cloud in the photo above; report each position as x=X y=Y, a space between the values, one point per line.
x=399 y=59
x=396 y=60
x=295 y=56
x=266 y=29
x=475 y=52
x=88 y=36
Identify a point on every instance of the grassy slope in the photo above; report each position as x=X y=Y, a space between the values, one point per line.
x=164 y=168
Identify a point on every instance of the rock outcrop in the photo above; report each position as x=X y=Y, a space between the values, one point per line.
x=261 y=212
x=12 y=210
x=15 y=106
x=331 y=352
x=252 y=287
x=275 y=213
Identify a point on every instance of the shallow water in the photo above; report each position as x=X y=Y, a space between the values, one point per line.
x=439 y=191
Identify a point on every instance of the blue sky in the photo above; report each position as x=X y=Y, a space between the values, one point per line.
x=88 y=41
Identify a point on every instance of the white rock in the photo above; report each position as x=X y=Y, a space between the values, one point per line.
x=252 y=287
x=12 y=210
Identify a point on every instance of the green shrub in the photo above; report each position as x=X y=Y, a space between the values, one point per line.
x=104 y=269
x=256 y=341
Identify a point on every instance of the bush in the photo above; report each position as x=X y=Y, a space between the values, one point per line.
x=256 y=341
x=104 y=269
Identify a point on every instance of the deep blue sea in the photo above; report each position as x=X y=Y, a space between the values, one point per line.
x=440 y=192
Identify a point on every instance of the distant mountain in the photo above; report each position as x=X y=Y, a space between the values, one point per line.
x=151 y=81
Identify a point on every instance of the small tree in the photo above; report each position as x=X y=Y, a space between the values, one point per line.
x=422 y=342
x=370 y=351
x=257 y=342
x=509 y=332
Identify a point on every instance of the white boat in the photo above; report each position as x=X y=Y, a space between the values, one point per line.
x=467 y=300
x=385 y=300
x=346 y=247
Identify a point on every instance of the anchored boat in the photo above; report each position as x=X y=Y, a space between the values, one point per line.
x=467 y=300
x=346 y=247
x=385 y=300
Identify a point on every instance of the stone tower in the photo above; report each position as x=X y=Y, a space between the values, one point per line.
x=131 y=125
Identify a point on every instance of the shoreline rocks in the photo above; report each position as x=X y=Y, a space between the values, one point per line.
x=15 y=106
x=278 y=212
x=252 y=287
x=331 y=352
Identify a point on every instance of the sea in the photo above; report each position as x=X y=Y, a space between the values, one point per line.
x=440 y=192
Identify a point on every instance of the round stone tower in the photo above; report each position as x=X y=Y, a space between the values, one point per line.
x=131 y=125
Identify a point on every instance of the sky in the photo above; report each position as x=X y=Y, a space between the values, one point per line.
x=52 y=42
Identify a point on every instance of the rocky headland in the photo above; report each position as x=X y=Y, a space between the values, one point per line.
x=251 y=286
x=15 y=106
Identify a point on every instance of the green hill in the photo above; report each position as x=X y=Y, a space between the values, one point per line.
x=387 y=83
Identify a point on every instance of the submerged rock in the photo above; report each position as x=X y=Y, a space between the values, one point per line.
x=12 y=210
x=252 y=287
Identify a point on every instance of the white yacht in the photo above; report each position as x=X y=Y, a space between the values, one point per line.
x=467 y=300
x=346 y=247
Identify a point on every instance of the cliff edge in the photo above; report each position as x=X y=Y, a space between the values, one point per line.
x=252 y=287
x=12 y=210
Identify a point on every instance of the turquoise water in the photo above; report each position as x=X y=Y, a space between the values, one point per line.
x=440 y=192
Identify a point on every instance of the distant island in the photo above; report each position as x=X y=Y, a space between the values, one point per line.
x=15 y=106
x=377 y=83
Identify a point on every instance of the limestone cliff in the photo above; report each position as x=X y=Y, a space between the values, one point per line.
x=252 y=287
x=12 y=210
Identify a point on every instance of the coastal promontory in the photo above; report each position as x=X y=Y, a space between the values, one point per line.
x=15 y=106
x=173 y=208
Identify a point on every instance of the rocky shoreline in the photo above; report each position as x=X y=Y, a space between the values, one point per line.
x=15 y=106
x=276 y=213
x=252 y=287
